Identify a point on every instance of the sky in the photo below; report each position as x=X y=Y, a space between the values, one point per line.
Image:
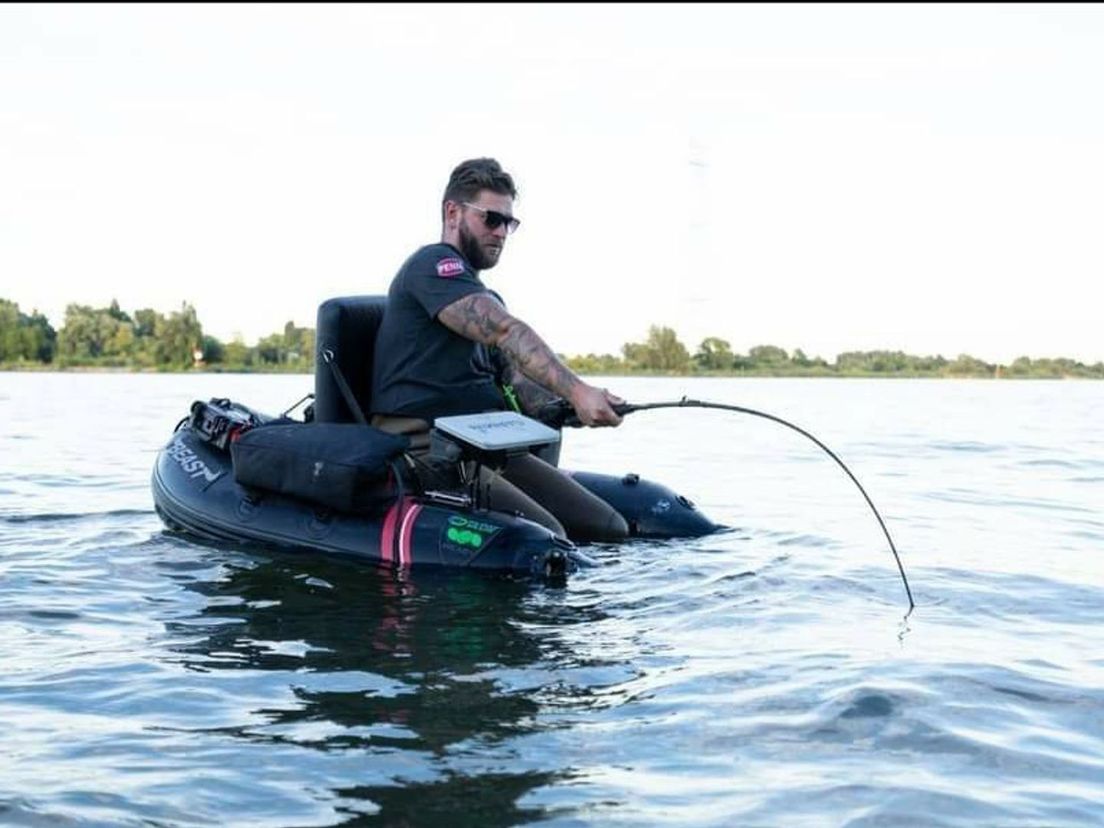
x=917 y=177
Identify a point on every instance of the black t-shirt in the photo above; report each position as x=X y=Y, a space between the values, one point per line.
x=421 y=368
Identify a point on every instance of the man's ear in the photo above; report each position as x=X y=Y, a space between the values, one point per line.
x=452 y=214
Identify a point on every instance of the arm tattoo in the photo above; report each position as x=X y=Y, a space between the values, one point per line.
x=530 y=395
x=477 y=316
x=482 y=318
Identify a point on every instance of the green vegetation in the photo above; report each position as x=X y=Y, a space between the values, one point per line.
x=25 y=338
x=147 y=340
x=662 y=353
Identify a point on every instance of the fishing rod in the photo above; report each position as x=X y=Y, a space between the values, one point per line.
x=560 y=413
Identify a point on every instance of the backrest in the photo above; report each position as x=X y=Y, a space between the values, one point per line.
x=347 y=326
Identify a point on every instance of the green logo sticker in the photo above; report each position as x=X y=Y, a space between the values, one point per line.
x=466 y=534
x=464 y=537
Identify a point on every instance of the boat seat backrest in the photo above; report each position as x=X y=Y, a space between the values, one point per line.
x=347 y=326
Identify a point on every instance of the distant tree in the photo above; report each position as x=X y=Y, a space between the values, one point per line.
x=876 y=362
x=177 y=337
x=271 y=349
x=967 y=366
x=661 y=352
x=307 y=348
x=117 y=313
x=214 y=352
x=23 y=337
x=298 y=346
x=238 y=354
x=804 y=363
x=85 y=333
x=928 y=364
x=714 y=354
x=1059 y=368
x=11 y=343
x=122 y=341
x=39 y=338
x=888 y=362
x=768 y=355
x=595 y=364
x=145 y=322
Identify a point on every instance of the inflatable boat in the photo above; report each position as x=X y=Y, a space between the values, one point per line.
x=329 y=484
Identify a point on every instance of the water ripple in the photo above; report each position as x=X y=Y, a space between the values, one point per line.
x=758 y=677
x=73 y=516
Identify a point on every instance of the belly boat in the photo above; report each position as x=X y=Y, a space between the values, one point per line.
x=196 y=491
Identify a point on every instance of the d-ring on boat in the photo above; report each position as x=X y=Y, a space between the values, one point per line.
x=328 y=484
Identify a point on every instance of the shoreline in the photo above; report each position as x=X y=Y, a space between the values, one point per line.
x=997 y=376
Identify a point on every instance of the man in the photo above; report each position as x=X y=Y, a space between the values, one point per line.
x=441 y=336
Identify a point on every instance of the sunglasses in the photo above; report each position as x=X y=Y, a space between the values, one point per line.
x=494 y=219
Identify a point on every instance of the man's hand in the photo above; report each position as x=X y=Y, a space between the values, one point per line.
x=594 y=405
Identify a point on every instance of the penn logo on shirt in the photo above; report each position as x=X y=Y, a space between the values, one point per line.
x=447 y=268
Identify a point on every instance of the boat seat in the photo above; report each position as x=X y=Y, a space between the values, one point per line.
x=347 y=326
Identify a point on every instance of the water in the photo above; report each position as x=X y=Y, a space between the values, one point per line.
x=760 y=677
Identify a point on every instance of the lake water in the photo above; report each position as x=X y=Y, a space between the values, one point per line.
x=760 y=677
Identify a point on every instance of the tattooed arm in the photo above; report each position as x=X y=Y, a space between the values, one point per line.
x=482 y=318
x=530 y=395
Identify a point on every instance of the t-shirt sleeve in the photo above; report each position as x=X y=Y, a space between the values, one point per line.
x=438 y=278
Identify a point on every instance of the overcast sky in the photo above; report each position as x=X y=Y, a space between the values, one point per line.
x=928 y=178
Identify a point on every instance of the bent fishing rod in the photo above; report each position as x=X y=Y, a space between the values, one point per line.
x=559 y=414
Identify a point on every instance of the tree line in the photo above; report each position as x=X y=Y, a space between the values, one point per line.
x=143 y=340
x=663 y=353
x=150 y=340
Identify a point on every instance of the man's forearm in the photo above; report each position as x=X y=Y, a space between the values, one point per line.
x=482 y=318
x=532 y=357
x=530 y=395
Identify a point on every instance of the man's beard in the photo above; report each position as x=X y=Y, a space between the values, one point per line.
x=477 y=257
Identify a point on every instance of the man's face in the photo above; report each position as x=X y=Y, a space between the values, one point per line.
x=480 y=244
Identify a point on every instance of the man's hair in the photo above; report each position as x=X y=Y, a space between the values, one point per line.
x=474 y=175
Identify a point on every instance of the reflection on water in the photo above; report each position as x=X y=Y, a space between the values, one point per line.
x=413 y=660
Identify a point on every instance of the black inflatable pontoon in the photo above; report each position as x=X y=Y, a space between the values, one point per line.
x=195 y=489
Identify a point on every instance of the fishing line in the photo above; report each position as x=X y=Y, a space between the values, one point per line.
x=560 y=413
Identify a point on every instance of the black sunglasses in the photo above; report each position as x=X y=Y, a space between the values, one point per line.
x=494 y=219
